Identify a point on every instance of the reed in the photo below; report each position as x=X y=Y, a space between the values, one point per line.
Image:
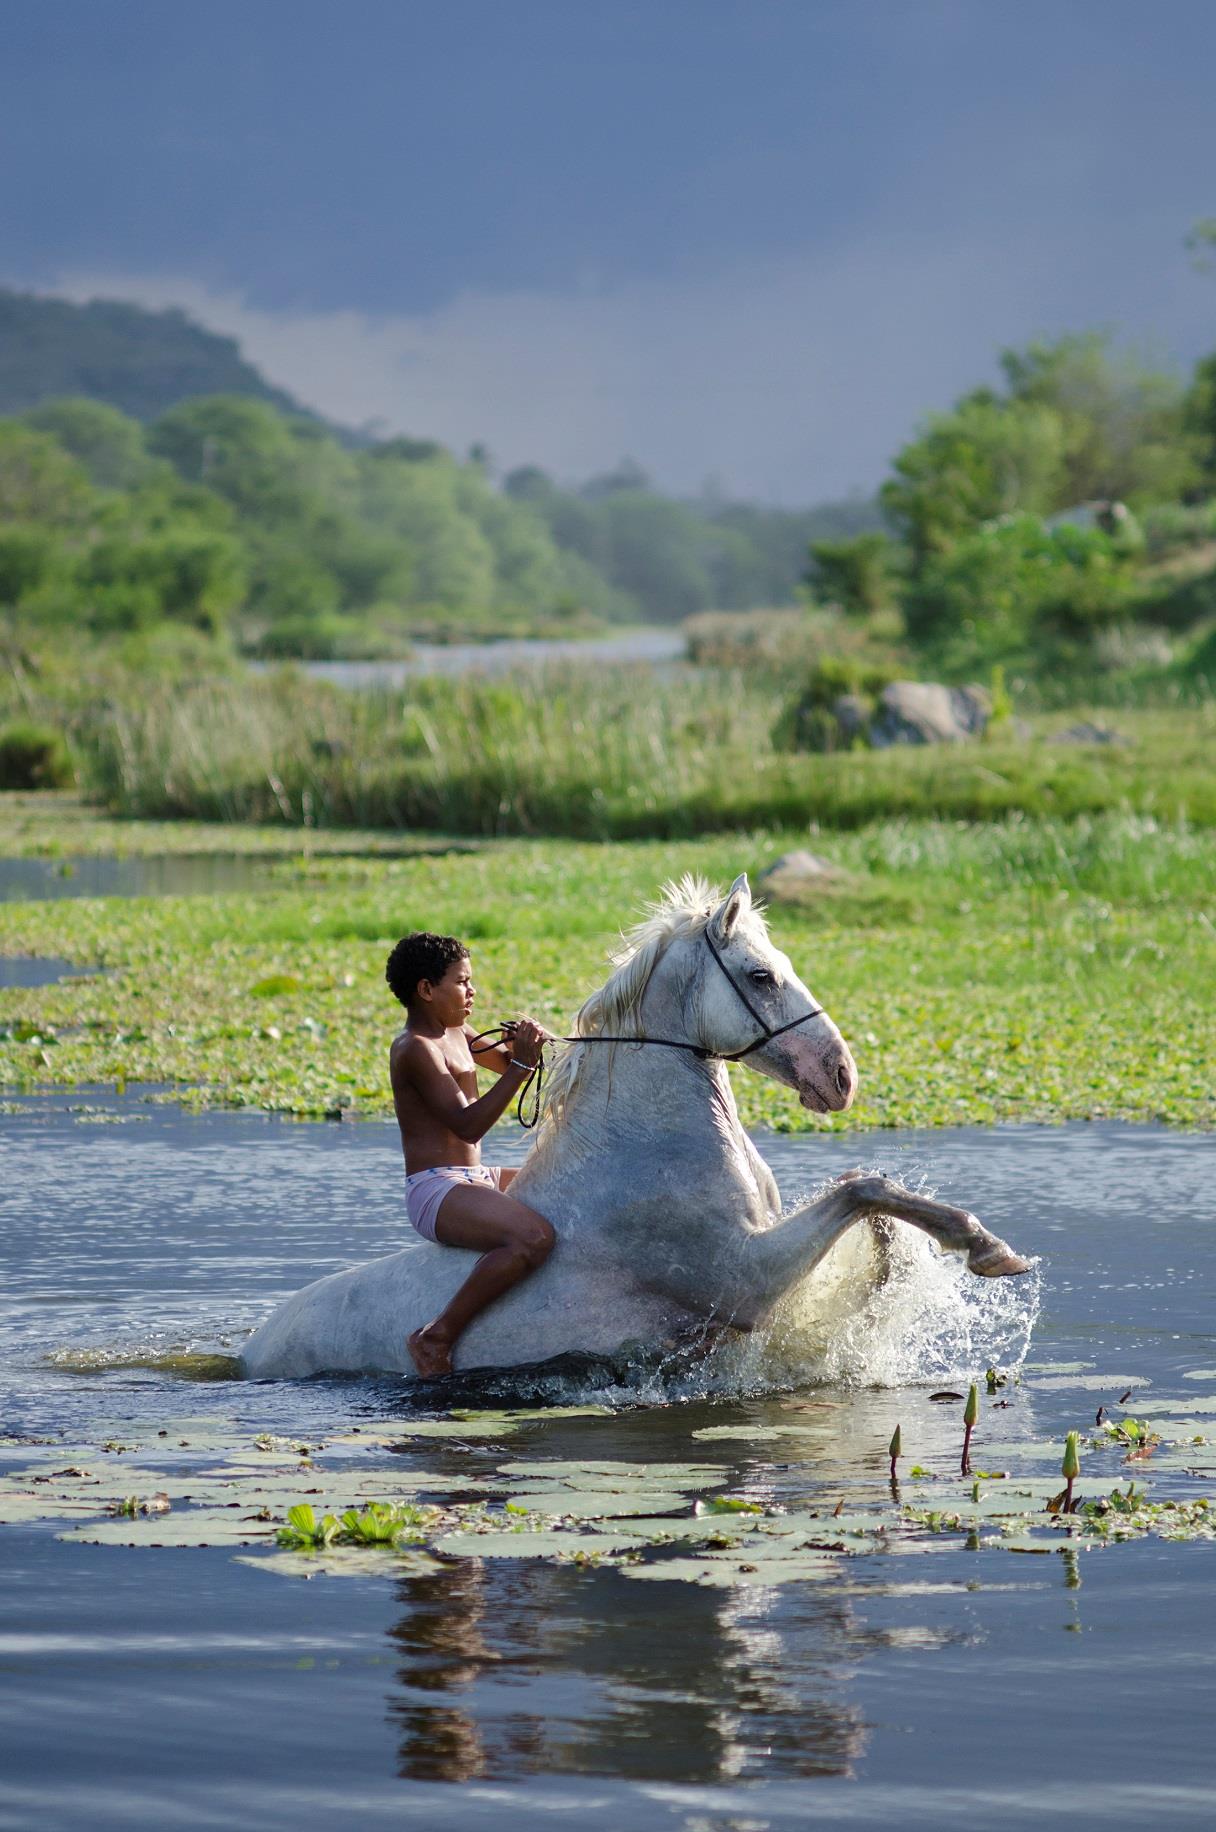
x=585 y=755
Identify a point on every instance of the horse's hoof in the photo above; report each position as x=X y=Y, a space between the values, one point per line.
x=995 y=1259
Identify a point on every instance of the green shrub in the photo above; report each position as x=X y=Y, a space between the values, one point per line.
x=307 y=636
x=1199 y=663
x=858 y=575
x=33 y=757
x=1179 y=604
x=1171 y=528
x=810 y=723
x=1016 y=586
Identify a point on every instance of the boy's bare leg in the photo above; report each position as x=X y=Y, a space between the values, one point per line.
x=513 y=1241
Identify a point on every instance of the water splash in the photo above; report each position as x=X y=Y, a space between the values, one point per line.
x=929 y=1320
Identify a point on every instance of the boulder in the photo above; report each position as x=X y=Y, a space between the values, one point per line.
x=794 y=875
x=850 y=712
x=1084 y=732
x=925 y=712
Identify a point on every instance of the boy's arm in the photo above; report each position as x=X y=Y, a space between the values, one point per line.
x=488 y=1055
x=432 y=1081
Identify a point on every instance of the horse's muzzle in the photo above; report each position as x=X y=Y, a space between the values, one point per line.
x=827 y=1078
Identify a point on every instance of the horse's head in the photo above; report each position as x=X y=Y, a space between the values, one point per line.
x=749 y=1001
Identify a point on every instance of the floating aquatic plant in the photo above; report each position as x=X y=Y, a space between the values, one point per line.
x=970 y=1414
x=1070 y=1468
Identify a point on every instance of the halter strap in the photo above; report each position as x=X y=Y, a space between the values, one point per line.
x=768 y=1033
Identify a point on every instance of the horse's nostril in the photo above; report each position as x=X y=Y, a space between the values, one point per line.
x=843 y=1078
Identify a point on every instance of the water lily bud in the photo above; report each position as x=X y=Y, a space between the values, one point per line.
x=896 y=1449
x=973 y=1406
x=1071 y=1466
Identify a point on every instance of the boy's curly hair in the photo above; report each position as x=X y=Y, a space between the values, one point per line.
x=421 y=957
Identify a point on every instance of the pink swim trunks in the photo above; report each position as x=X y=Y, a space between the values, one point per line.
x=426 y=1189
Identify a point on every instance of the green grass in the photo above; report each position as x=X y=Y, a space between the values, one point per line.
x=1024 y=969
x=586 y=754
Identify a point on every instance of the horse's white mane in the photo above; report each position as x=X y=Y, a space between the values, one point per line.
x=683 y=907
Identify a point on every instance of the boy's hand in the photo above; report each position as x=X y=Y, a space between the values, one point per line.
x=527 y=1039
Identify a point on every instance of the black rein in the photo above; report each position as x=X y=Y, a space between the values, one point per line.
x=504 y=1033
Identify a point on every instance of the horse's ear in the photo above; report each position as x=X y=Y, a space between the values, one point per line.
x=738 y=902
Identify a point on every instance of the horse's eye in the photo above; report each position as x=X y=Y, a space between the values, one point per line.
x=760 y=976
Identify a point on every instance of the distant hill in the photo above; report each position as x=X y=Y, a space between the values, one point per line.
x=139 y=361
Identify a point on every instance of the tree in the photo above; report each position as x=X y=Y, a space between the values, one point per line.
x=39 y=482
x=108 y=444
x=1201 y=418
x=192 y=576
x=1201 y=243
x=1009 y=587
x=28 y=559
x=985 y=459
x=1125 y=434
x=858 y=575
x=452 y=561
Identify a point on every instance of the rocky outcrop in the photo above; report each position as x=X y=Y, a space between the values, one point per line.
x=924 y=712
x=1085 y=732
x=794 y=876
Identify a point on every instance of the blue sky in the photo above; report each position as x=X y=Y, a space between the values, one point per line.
x=752 y=240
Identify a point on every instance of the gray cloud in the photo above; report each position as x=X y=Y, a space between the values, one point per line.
x=791 y=381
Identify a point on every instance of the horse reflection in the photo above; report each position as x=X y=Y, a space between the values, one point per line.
x=511 y=1670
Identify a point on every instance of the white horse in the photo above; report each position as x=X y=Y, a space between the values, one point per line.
x=668 y=1221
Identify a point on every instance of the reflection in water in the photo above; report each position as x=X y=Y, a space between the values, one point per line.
x=652 y=1682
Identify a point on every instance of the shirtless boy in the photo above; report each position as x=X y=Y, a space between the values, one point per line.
x=451 y=1196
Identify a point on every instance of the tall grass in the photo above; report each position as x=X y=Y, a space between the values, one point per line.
x=593 y=755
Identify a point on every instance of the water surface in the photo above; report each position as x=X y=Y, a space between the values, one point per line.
x=37 y=970
x=147 y=875
x=643 y=645
x=145 y=1688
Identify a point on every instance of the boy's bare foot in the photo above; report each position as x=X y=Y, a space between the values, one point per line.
x=430 y=1355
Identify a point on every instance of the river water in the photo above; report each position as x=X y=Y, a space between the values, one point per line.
x=179 y=1687
x=653 y=646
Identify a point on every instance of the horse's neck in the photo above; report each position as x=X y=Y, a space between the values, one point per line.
x=627 y=1095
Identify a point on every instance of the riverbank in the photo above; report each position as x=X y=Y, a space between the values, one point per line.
x=580 y=752
x=1005 y=971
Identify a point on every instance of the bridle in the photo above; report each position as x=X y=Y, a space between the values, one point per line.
x=767 y=1033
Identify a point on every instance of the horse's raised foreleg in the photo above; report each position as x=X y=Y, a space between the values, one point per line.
x=767 y=1264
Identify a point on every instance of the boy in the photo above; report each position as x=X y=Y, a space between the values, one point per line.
x=450 y=1195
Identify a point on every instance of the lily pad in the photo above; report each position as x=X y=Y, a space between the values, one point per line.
x=20 y=1510
x=344 y=1562
x=729 y=1571
x=1029 y=1542
x=697 y=1527
x=482 y=1425
x=589 y=1504
x=756 y=1434
x=619 y=1477
x=190 y=1527
x=556 y=1544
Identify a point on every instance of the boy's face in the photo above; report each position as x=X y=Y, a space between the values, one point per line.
x=451 y=998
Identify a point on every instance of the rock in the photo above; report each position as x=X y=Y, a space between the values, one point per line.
x=793 y=875
x=850 y=713
x=1086 y=733
x=925 y=712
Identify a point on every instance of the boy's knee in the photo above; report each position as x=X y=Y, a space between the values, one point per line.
x=538 y=1240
